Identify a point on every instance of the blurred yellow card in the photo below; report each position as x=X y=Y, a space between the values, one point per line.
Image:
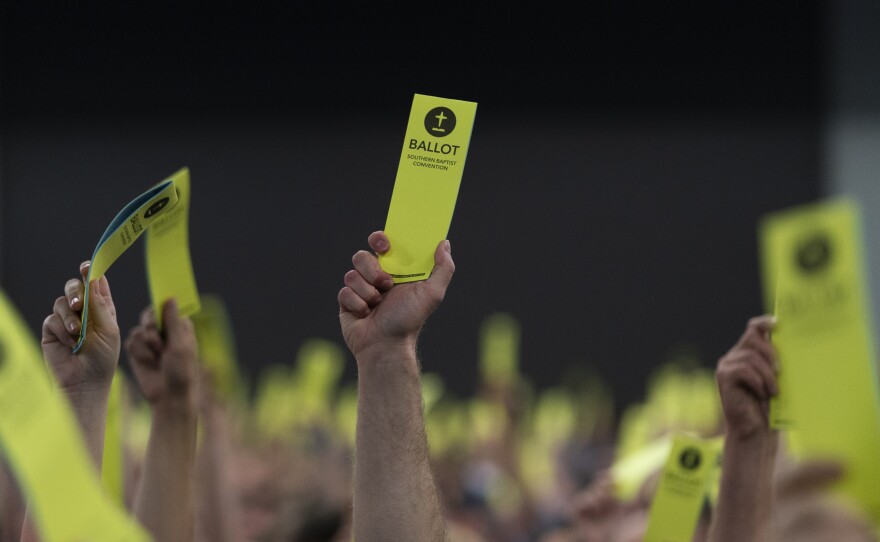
x=681 y=490
x=42 y=443
x=813 y=274
x=169 y=266
x=428 y=177
x=217 y=351
x=113 y=464
x=163 y=213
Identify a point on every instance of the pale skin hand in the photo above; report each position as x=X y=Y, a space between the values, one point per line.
x=373 y=312
x=166 y=369
x=395 y=497
x=93 y=366
x=746 y=378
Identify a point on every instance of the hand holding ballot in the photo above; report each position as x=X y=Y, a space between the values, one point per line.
x=746 y=378
x=375 y=314
x=747 y=381
x=93 y=366
x=380 y=323
x=166 y=367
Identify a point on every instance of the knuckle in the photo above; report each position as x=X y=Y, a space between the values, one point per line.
x=47 y=322
x=437 y=295
x=375 y=296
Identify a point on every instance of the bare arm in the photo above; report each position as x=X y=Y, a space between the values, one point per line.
x=85 y=377
x=395 y=497
x=166 y=371
x=747 y=380
x=218 y=513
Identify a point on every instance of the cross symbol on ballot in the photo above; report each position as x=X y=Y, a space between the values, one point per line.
x=440 y=118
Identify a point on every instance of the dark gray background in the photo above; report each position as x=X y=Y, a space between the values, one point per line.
x=619 y=161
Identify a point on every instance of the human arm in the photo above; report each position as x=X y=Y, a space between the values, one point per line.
x=84 y=377
x=395 y=496
x=218 y=513
x=165 y=368
x=746 y=378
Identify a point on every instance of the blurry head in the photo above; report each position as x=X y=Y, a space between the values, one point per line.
x=804 y=511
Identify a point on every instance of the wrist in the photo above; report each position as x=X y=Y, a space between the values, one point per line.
x=751 y=438
x=760 y=446
x=182 y=407
x=87 y=393
x=397 y=353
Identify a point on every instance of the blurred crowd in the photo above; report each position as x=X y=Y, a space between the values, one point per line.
x=275 y=459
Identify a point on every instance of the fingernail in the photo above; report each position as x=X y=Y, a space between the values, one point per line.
x=74 y=301
x=447 y=246
x=72 y=327
x=382 y=244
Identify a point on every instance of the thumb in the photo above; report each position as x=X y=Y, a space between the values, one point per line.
x=444 y=267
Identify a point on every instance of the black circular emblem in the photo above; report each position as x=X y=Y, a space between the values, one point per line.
x=440 y=121
x=690 y=458
x=814 y=253
x=156 y=207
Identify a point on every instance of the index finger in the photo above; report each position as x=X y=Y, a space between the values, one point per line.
x=73 y=291
x=368 y=266
x=148 y=319
x=763 y=324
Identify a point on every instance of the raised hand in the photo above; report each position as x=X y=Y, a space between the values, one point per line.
x=746 y=378
x=166 y=368
x=373 y=311
x=93 y=366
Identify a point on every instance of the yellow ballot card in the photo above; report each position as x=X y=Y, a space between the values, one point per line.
x=42 y=443
x=681 y=490
x=813 y=274
x=113 y=464
x=217 y=350
x=499 y=349
x=168 y=264
x=631 y=471
x=431 y=165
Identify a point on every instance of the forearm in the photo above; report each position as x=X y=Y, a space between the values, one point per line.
x=164 y=503
x=395 y=497
x=89 y=406
x=218 y=512
x=746 y=492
